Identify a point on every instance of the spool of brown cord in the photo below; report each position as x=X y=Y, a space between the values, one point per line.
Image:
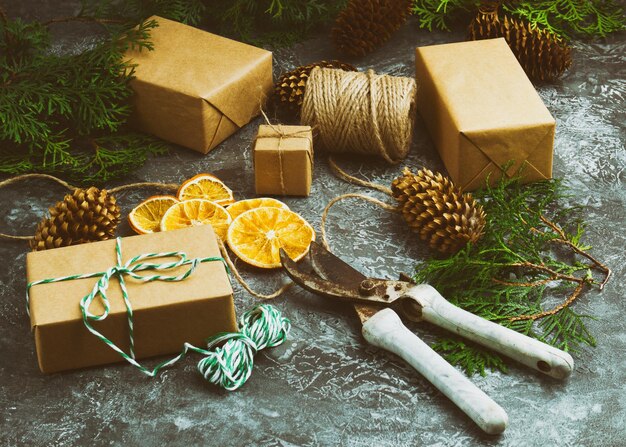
x=361 y=113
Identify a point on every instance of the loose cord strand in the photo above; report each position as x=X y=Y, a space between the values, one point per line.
x=244 y=284
x=70 y=187
x=380 y=203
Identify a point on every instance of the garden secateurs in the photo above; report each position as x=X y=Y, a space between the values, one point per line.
x=373 y=300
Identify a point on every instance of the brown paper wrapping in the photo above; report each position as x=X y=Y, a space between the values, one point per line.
x=482 y=113
x=195 y=88
x=283 y=160
x=166 y=314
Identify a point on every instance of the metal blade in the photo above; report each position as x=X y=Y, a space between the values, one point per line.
x=329 y=266
x=315 y=283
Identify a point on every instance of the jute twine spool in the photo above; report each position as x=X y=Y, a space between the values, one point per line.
x=362 y=113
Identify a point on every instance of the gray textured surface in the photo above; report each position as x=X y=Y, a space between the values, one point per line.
x=326 y=386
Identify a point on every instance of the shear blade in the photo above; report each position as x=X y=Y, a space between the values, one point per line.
x=314 y=283
x=330 y=267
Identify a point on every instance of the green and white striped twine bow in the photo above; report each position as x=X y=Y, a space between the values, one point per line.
x=228 y=366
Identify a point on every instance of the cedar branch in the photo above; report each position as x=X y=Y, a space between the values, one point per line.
x=83 y=19
x=563 y=240
x=575 y=294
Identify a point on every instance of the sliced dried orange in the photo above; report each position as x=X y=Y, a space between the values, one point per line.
x=242 y=206
x=146 y=217
x=195 y=212
x=256 y=236
x=206 y=186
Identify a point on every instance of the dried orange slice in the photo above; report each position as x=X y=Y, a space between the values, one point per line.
x=206 y=186
x=146 y=217
x=255 y=236
x=195 y=212
x=242 y=206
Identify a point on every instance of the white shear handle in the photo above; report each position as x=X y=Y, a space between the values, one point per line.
x=385 y=330
x=529 y=351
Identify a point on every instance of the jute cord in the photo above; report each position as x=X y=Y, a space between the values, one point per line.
x=166 y=186
x=70 y=187
x=243 y=282
x=355 y=180
x=363 y=113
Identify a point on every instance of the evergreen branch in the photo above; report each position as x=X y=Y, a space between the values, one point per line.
x=565 y=18
x=472 y=358
x=572 y=243
x=49 y=103
x=277 y=22
x=83 y=19
x=512 y=270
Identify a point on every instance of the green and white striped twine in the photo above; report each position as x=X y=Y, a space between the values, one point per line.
x=228 y=365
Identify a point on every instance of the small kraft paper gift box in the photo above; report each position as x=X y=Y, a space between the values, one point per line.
x=195 y=88
x=483 y=114
x=166 y=314
x=283 y=160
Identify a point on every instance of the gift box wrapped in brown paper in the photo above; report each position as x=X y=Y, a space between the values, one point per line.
x=195 y=88
x=166 y=314
x=283 y=160
x=483 y=113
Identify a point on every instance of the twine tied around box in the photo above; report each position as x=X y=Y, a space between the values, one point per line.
x=229 y=365
x=364 y=113
x=281 y=134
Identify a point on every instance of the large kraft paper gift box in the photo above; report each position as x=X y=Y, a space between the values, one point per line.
x=483 y=113
x=283 y=160
x=166 y=314
x=195 y=88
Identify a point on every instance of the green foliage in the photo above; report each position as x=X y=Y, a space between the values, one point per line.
x=472 y=358
x=59 y=112
x=439 y=13
x=567 y=18
x=528 y=257
x=134 y=11
x=276 y=22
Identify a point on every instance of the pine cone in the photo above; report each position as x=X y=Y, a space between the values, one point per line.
x=438 y=210
x=289 y=90
x=84 y=216
x=367 y=24
x=543 y=55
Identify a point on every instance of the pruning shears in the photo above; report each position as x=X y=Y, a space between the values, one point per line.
x=375 y=300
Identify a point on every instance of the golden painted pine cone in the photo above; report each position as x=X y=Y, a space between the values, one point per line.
x=290 y=87
x=543 y=55
x=365 y=25
x=438 y=210
x=86 y=215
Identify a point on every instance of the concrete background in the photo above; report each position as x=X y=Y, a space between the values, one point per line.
x=326 y=386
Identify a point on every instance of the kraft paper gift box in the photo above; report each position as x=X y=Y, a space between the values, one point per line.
x=166 y=314
x=483 y=113
x=195 y=88
x=283 y=160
